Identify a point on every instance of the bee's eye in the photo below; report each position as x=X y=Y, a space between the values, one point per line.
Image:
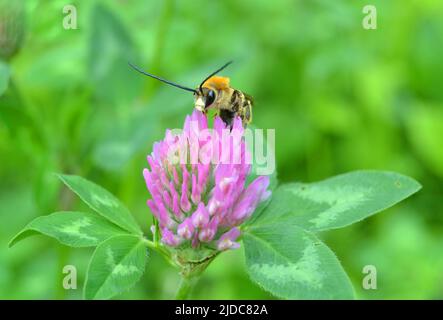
x=210 y=97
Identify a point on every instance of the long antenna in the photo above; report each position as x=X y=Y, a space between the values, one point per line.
x=161 y=79
x=214 y=73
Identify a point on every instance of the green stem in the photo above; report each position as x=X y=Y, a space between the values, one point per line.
x=156 y=231
x=159 y=249
x=185 y=288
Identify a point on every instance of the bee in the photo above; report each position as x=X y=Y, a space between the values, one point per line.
x=215 y=92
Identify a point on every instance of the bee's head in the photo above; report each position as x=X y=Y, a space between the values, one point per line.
x=206 y=95
x=208 y=91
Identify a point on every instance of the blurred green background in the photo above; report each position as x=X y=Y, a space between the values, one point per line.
x=340 y=98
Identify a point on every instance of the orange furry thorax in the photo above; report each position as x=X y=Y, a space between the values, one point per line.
x=216 y=82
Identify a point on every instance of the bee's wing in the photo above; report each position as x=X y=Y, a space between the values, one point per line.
x=249 y=97
x=247 y=108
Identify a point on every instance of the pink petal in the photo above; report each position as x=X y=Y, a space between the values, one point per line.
x=201 y=216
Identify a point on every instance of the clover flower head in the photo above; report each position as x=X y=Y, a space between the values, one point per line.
x=197 y=181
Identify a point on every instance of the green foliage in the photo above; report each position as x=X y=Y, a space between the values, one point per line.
x=110 y=50
x=338 y=201
x=286 y=259
x=75 y=229
x=102 y=201
x=119 y=259
x=292 y=263
x=116 y=265
x=4 y=77
x=424 y=125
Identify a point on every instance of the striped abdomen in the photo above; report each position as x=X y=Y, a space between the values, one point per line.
x=239 y=104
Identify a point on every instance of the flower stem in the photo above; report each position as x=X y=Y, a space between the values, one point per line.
x=185 y=288
x=159 y=249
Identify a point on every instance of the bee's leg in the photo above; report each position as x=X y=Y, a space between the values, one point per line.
x=227 y=117
x=247 y=112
